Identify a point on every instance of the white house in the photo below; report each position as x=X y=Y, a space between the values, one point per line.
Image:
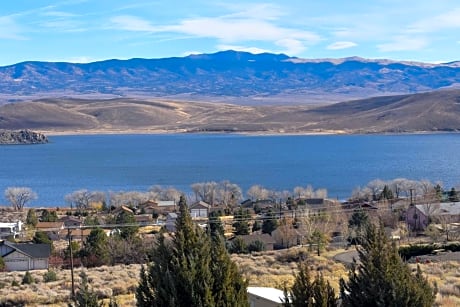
x=199 y=210
x=25 y=256
x=265 y=297
x=10 y=229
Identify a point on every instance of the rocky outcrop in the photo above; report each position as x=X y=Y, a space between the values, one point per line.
x=22 y=137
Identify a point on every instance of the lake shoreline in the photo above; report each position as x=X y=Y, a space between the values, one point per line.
x=248 y=133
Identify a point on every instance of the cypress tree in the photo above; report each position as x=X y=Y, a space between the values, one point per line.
x=381 y=278
x=229 y=288
x=307 y=292
x=85 y=296
x=189 y=271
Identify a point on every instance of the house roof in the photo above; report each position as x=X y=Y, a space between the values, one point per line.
x=200 y=205
x=172 y=215
x=123 y=208
x=166 y=203
x=270 y=294
x=451 y=208
x=143 y=218
x=49 y=225
x=70 y=219
x=33 y=250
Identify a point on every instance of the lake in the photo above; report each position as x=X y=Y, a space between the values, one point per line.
x=338 y=163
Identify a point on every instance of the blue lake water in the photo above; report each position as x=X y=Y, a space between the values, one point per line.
x=136 y=162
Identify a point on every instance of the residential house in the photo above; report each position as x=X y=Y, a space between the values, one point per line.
x=10 y=229
x=199 y=209
x=78 y=234
x=259 y=205
x=418 y=217
x=54 y=230
x=265 y=297
x=266 y=239
x=143 y=219
x=286 y=236
x=25 y=256
x=71 y=221
x=159 y=207
x=122 y=208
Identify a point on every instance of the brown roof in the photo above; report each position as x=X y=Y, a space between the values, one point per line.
x=200 y=205
x=80 y=232
x=50 y=225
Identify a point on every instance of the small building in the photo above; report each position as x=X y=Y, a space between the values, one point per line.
x=143 y=219
x=122 y=208
x=159 y=207
x=25 y=256
x=71 y=221
x=265 y=297
x=286 y=236
x=54 y=230
x=418 y=217
x=78 y=234
x=10 y=229
x=199 y=209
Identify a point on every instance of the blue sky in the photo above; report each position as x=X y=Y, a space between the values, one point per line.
x=91 y=30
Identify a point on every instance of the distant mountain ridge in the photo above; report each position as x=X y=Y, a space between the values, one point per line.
x=232 y=76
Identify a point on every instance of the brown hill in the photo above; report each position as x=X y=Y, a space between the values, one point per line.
x=433 y=111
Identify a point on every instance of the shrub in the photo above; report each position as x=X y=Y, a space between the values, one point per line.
x=256 y=246
x=27 y=279
x=2 y=264
x=14 y=283
x=406 y=252
x=49 y=276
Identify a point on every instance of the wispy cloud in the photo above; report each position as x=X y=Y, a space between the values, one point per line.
x=132 y=23
x=341 y=45
x=447 y=20
x=228 y=29
x=404 y=43
x=9 y=29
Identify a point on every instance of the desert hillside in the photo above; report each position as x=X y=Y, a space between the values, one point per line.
x=432 y=111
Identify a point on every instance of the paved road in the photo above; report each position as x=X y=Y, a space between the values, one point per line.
x=347 y=257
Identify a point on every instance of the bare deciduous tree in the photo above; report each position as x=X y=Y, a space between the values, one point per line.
x=79 y=199
x=158 y=192
x=131 y=198
x=19 y=196
x=257 y=192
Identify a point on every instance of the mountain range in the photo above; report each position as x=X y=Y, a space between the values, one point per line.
x=227 y=76
x=231 y=92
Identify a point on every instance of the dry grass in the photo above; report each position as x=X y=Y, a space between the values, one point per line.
x=269 y=269
x=119 y=281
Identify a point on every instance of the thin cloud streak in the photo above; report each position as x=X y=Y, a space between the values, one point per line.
x=341 y=45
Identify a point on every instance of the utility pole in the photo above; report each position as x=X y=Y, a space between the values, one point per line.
x=71 y=263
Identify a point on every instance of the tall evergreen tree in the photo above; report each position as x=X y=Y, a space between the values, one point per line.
x=381 y=278
x=86 y=297
x=95 y=250
x=215 y=224
x=310 y=293
x=32 y=218
x=270 y=223
x=191 y=270
x=241 y=223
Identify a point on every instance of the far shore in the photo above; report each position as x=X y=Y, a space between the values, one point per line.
x=249 y=133
x=183 y=131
